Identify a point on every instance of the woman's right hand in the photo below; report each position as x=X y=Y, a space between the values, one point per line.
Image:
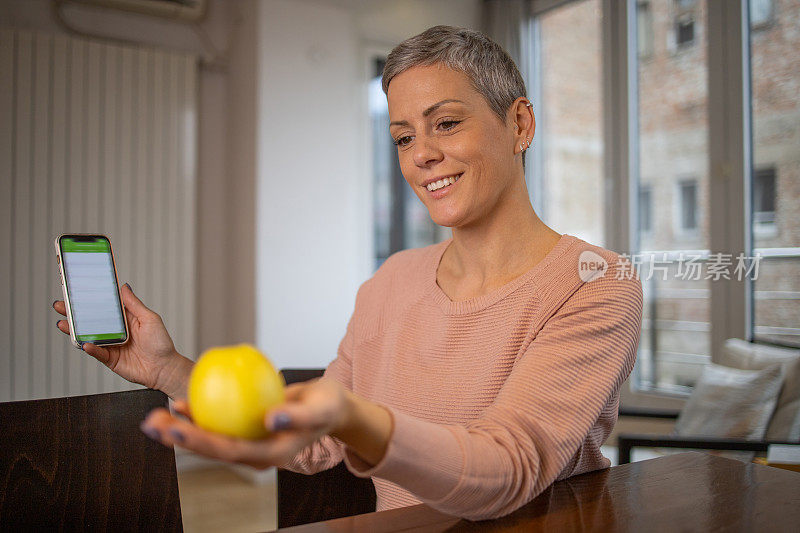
x=149 y=357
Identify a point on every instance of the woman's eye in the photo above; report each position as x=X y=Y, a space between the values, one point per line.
x=402 y=141
x=449 y=124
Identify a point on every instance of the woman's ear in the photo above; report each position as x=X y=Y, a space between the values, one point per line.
x=524 y=118
x=524 y=122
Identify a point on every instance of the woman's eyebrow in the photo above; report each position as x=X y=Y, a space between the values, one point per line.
x=428 y=111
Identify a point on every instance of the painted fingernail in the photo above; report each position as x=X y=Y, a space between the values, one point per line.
x=281 y=421
x=153 y=433
x=177 y=435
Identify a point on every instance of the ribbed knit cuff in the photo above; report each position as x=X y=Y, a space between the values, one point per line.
x=422 y=457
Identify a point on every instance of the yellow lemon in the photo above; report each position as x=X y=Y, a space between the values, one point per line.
x=231 y=389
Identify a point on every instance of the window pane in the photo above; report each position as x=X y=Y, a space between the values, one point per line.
x=645 y=29
x=673 y=168
x=688 y=206
x=382 y=169
x=567 y=149
x=775 y=90
x=684 y=30
x=645 y=209
x=760 y=12
x=401 y=220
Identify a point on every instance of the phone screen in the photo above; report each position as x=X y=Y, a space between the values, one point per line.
x=92 y=287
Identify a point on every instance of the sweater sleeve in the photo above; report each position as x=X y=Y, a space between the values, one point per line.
x=543 y=413
x=327 y=452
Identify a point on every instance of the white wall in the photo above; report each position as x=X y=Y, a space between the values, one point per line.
x=307 y=180
x=392 y=21
x=314 y=219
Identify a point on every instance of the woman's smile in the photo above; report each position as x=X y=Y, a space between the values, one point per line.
x=442 y=187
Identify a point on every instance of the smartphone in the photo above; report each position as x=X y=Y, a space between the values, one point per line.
x=91 y=291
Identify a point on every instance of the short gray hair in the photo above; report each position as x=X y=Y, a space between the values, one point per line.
x=490 y=69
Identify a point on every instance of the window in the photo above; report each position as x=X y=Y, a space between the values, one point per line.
x=764 y=196
x=645 y=209
x=383 y=167
x=775 y=208
x=760 y=13
x=566 y=87
x=400 y=219
x=688 y=205
x=684 y=31
x=672 y=144
x=683 y=27
x=670 y=129
x=644 y=38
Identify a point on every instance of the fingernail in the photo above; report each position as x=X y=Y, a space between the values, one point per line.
x=176 y=434
x=153 y=433
x=281 y=421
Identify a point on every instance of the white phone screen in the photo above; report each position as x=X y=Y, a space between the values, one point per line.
x=92 y=287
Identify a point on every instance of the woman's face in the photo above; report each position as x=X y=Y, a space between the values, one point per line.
x=444 y=128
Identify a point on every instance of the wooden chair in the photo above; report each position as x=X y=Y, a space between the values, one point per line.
x=81 y=463
x=333 y=493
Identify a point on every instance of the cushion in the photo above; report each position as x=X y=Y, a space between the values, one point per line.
x=785 y=423
x=729 y=402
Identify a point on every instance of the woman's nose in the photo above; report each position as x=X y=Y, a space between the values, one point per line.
x=426 y=151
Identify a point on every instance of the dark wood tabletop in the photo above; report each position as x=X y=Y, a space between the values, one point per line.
x=81 y=463
x=683 y=492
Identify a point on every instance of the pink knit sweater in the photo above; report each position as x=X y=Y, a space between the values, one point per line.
x=492 y=398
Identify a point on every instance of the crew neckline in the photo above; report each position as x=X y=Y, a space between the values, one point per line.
x=478 y=303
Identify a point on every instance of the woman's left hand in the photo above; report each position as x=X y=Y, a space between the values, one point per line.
x=313 y=409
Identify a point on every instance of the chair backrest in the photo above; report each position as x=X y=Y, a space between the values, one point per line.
x=333 y=493
x=82 y=463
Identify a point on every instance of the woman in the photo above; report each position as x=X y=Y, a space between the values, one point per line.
x=473 y=372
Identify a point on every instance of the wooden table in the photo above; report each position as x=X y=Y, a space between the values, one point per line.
x=82 y=463
x=684 y=492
